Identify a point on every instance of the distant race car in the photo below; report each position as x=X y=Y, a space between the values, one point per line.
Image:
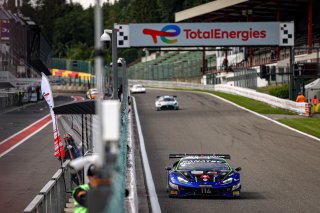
x=204 y=175
x=92 y=93
x=166 y=102
x=137 y=88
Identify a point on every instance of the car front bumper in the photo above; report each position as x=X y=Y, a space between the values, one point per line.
x=193 y=191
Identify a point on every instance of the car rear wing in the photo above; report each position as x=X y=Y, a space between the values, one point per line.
x=224 y=156
x=171 y=95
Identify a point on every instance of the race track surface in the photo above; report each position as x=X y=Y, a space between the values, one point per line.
x=27 y=168
x=280 y=167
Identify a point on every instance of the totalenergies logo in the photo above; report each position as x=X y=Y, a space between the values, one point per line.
x=167 y=31
x=44 y=94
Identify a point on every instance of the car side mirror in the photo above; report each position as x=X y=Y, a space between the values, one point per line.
x=238 y=169
x=168 y=168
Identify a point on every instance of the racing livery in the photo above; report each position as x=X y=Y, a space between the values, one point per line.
x=166 y=102
x=203 y=174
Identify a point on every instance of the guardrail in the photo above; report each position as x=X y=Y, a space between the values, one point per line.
x=52 y=197
x=249 y=93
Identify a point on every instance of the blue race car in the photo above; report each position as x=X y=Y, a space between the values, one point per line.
x=202 y=174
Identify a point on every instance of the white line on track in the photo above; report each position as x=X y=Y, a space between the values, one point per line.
x=26 y=138
x=265 y=117
x=155 y=206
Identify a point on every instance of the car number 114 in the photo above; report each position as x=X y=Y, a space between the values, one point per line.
x=205 y=190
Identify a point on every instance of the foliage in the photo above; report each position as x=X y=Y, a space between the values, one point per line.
x=70 y=28
x=307 y=125
x=253 y=105
x=280 y=91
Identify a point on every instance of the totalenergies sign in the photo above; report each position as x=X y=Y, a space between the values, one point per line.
x=206 y=34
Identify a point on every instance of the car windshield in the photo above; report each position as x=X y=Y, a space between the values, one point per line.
x=168 y=99
x=203 y=164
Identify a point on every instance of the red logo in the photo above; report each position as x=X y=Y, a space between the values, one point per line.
x=167 y=31
x=45 y=94
x=205 y=177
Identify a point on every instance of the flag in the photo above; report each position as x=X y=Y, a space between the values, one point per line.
x=47 y=95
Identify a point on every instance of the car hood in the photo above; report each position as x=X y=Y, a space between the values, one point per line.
x=200 y=178
x=166 y=102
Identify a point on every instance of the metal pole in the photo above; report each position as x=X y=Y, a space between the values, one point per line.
x=97 y=197
x=291 y=75
x=115 y=64
x=310 y=26
x=98 y=65
x=124 y=73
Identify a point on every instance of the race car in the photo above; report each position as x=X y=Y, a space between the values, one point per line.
x=92 y=93
x=203 y=175
x=166 y=102
x=137 y=88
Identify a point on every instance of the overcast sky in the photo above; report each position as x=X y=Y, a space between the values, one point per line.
x=86 y=3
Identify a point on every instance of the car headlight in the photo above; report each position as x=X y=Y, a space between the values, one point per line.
x=227 y=181
x=235 y=186
x=182 y=180
x=173 y=186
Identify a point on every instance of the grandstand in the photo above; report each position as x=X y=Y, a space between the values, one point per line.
x=174 y=65
x=244 y=61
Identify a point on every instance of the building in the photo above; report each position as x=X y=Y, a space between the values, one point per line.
x=24 y=51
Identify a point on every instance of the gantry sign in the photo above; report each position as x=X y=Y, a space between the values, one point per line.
x=206 y=34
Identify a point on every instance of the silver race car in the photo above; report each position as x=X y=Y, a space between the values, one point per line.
x=137 y=88
x=166 y=102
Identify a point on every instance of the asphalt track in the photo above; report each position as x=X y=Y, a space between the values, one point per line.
x=28 y=167
x=280 y=167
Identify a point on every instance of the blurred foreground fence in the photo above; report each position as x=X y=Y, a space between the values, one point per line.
x=53 y=197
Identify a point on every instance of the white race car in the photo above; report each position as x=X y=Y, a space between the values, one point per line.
x=137 y=88
x=166 y=102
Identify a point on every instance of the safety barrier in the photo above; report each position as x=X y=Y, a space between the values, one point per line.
x=308 y=108
x=52 y=197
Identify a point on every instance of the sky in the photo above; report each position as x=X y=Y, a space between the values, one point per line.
x=86 y=3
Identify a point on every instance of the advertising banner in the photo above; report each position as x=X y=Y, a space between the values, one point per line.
x=206 y=34
x=4 y=30
x=47 y=94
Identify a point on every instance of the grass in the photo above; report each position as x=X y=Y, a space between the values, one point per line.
x=256 y=106
x=308 y=125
